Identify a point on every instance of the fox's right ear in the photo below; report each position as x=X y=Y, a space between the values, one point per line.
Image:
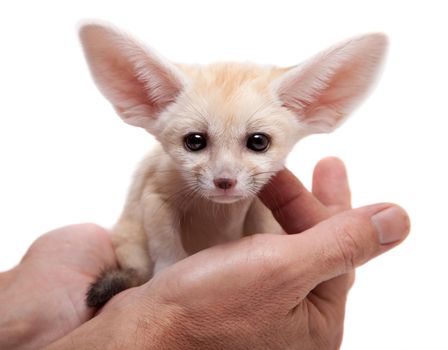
x=323 y=91
x=139 y=83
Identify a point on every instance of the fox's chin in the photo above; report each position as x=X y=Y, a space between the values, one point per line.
x=226 y=198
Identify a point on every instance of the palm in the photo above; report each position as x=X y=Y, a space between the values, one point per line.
x=57 y=270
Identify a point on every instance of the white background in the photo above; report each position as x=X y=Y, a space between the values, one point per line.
x=66 y=157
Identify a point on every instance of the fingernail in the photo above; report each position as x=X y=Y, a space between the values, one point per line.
x=392 y=224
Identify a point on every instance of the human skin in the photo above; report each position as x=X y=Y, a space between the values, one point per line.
x=261 y=292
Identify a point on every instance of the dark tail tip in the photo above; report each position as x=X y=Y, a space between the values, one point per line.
x=109 y=283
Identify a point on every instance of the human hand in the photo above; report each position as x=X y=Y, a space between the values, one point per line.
x=43 y=298
x=261 y=292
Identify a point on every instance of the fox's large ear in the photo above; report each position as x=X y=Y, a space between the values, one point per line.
x=324 y=90
x=138 y=82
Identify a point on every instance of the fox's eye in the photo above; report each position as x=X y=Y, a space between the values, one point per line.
x=195 y=141
x=258 y=142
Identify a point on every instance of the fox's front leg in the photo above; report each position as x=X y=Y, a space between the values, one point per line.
x=146 y=239
x=134 y=262
x=162 y=224
x=259 y=219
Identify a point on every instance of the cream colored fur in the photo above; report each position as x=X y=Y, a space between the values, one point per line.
x=174 y=209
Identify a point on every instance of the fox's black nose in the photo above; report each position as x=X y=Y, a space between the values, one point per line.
x=224 y=183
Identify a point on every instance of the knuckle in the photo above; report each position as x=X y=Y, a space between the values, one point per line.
x=348 y=246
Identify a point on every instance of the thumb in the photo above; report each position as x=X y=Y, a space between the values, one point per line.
x=347 y=240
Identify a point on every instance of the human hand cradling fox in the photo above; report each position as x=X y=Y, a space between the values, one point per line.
x=261 y=292
x=43 y=298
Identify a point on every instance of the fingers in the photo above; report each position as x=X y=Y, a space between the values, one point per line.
x=347 y=240
x=295 y=208
x=83 y=245
x=292 y=205
x=330 y=184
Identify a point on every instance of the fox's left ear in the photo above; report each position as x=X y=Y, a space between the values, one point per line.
x=139 y=83
x=324 y=90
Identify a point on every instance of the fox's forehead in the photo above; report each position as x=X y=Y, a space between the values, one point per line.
x=230 y=96
x=229 y=79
